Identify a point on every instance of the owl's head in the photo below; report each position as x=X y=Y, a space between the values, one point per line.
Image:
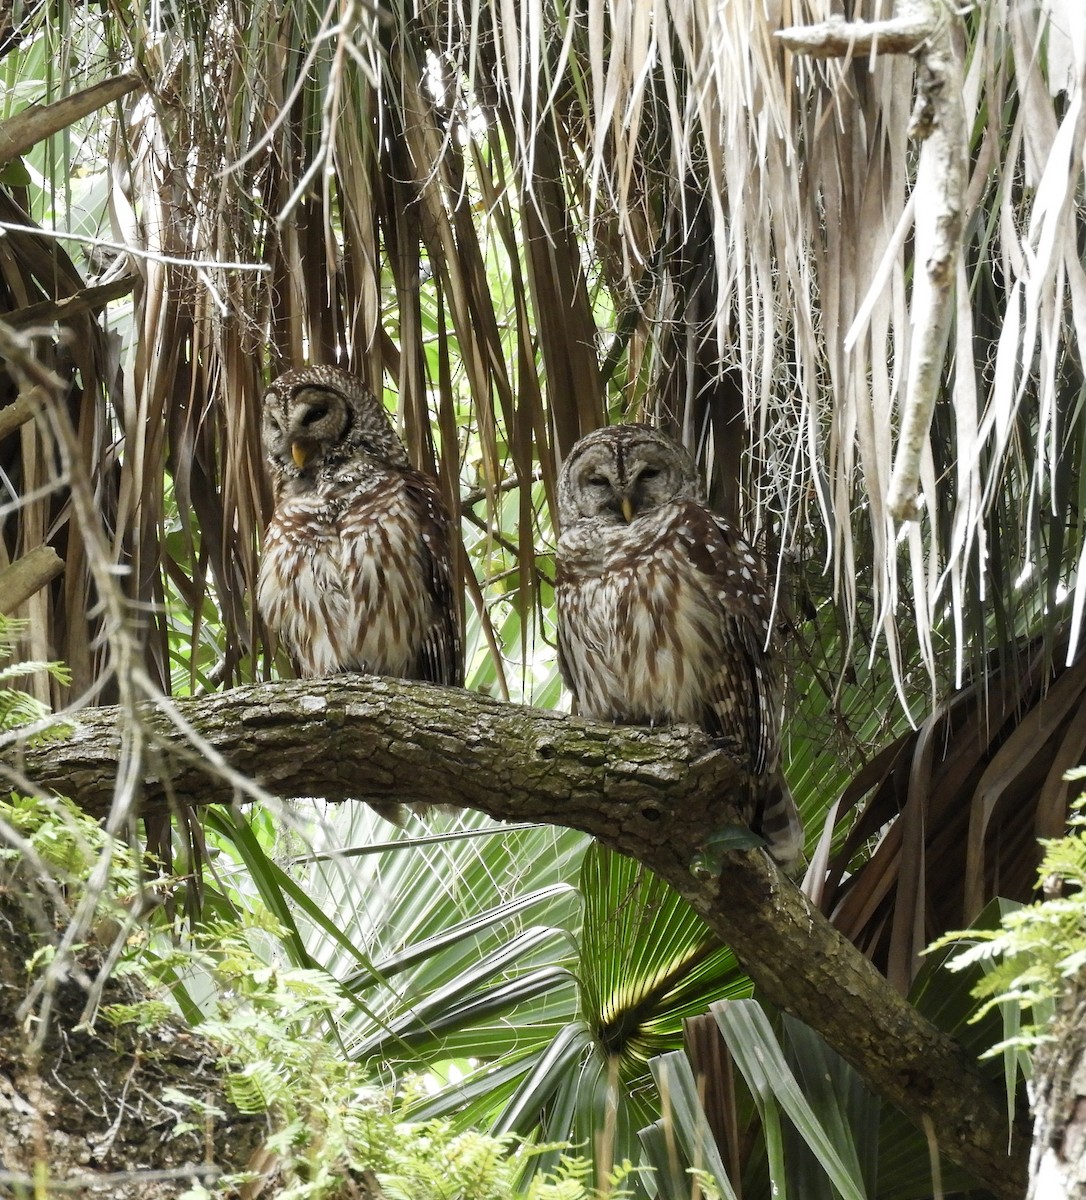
x=617 y=474
x=322 y=416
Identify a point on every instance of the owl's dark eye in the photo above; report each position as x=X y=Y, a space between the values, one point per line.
x=596 y=481
x=317 y=413
x=649 y=473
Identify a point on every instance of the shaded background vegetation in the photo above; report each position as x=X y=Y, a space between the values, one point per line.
x=519 y=222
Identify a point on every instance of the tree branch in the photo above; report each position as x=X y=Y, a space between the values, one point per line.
x=27 y=575
x=656 y=795
x=837 y=38
x=16 y=414
x=65 y=308
x=39 y=121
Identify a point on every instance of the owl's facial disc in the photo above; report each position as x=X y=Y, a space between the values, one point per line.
x=316 y=421
x=626 y=489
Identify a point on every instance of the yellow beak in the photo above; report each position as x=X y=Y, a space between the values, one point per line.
x=627 y=509
x=300 y=453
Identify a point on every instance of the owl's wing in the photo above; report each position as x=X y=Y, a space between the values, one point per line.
x=562 y=589
x=441 y=658
x=743 y=700
x=743 y=695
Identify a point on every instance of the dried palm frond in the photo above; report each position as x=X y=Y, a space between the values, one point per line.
x=949 y=815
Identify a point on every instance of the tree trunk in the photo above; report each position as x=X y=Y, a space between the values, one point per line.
x=1058 y=1160
x=656 y=795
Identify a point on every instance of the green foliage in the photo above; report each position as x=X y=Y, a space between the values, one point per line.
x=61 y=841
x=790 y=1116
x=528 y=1005
x=17 y=707
x=1039 y=947
x=269 y=1020
x=329 y=1120
x=144 y=1014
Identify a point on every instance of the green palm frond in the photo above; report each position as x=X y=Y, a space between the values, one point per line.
x=766 y=1108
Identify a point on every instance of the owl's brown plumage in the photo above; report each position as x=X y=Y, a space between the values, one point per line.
x=663 y=611
x=355 y=571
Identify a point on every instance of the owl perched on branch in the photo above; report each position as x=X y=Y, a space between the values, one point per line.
x=355 y=573
x=663 y=611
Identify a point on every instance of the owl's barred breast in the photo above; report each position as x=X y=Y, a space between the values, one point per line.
x=647 y=638
x=342 y=580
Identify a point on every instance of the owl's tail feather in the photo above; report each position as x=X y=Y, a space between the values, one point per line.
x=398 y=814
x=778 y=821
x=401 y=814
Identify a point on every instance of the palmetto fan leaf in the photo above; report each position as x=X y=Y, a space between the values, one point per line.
x=547 y=1000
x=642 y=961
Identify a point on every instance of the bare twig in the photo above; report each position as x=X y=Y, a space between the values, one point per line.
x=15 y=415
x=838 y=38
x=84 y=239
x=86 y=300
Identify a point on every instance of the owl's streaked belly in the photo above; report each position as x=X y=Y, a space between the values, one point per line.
x=646 y=638
x=343 y=591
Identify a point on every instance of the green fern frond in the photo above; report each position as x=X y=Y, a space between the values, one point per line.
x=256 y=1089
x=146 y=1014
x=18 y=708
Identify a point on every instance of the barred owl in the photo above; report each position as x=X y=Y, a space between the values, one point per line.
x=663 y=611
x=354 y=574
